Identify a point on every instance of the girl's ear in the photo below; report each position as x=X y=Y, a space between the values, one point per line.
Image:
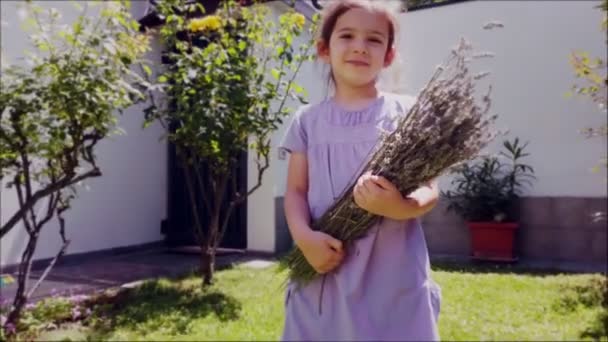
x=323 y=51
x=390 y=56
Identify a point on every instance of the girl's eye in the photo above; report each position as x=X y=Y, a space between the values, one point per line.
x=375 y=40
x=346 y=36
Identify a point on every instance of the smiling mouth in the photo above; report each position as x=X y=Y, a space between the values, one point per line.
x=358 y=63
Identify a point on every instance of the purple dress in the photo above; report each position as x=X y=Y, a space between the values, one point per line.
x=382 y=291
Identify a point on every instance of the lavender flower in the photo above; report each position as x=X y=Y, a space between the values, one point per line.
x=481 y=75
x=78 y=298
x=493 y=24
x=10 y=328
x=486 y=54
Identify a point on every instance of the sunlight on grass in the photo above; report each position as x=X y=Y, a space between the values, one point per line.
x=247 y=304
x=510 y=306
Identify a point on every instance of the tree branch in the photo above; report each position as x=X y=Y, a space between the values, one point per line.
x=198 y=231
x=224 y=226
x=19 y=190
x=261 y=168
x=52 y=203
x=24 y=270
x=217 y=209
x=293 y=77
x=24 y=159
x=63 y=183
x=60 y=210
x=152 y=97
x=240 y=198
x=88 y=149
x=201 y=185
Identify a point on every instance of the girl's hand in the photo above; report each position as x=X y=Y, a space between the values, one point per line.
x=377 y=195
x=323 y=252
x=380 y=197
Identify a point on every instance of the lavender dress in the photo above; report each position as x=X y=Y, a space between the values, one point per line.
x=382 y=291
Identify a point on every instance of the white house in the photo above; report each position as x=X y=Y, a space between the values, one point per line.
x=530 y=74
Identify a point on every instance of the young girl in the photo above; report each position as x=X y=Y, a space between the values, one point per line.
x=380 y=288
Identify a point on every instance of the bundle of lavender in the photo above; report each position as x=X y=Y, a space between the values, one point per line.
x=443 y=128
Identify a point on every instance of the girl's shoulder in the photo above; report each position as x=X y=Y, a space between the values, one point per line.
x=397 y=105
x=309 y=111
x=314 y=114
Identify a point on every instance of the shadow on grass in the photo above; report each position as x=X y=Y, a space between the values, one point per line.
x=161 y=305
x=594 y=294
x=493 y=267
x=599 y=328
x=591 y=294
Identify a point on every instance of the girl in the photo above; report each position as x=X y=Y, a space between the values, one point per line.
x=380 y=289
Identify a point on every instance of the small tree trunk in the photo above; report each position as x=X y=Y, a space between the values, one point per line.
x=207 y=265
x=208 y=248
x=24 y=273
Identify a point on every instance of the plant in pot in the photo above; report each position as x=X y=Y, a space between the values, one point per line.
x=486 y=195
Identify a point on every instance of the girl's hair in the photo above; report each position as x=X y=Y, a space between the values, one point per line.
x=335 y=9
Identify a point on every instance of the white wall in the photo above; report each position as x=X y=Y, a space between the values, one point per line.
x=531 y=73
x=121 y=208
x=261 y=209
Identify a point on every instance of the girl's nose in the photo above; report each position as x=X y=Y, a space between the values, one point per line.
x=359 y=46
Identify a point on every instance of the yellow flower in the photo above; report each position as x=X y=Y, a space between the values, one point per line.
x=210 y=22
x=299 y=19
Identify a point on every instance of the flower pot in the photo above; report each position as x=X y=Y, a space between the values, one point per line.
x=493 y=241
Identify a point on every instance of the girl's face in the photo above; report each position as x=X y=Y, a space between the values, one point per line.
x=358 y=48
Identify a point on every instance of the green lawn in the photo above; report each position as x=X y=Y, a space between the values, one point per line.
x=246 y=304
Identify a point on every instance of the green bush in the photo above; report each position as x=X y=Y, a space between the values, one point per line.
x=487 y=189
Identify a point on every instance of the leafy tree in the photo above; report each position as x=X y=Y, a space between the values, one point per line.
x=226 y=88
x=54 y=112
x=592 y=71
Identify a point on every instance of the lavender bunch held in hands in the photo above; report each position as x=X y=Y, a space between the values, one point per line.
x=445 y=126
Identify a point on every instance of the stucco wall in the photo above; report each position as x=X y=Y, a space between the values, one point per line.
x=124 y=207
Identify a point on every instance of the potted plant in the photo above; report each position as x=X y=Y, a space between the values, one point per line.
x=486 y=195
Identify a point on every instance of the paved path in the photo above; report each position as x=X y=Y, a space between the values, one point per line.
x=95 y=274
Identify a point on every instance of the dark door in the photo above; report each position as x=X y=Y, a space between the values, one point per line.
x=179 y=229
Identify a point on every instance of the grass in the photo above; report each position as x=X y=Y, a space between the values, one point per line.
x=243 y=304
x=479 y=303
x=505 y=305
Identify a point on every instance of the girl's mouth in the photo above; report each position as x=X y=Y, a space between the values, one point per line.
x=358 y=63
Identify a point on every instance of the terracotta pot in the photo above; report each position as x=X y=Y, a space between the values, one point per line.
x=493 y=241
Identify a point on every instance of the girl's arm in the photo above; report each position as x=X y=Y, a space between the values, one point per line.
x=379 y=196
x=296 y=204
x=323 y=252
